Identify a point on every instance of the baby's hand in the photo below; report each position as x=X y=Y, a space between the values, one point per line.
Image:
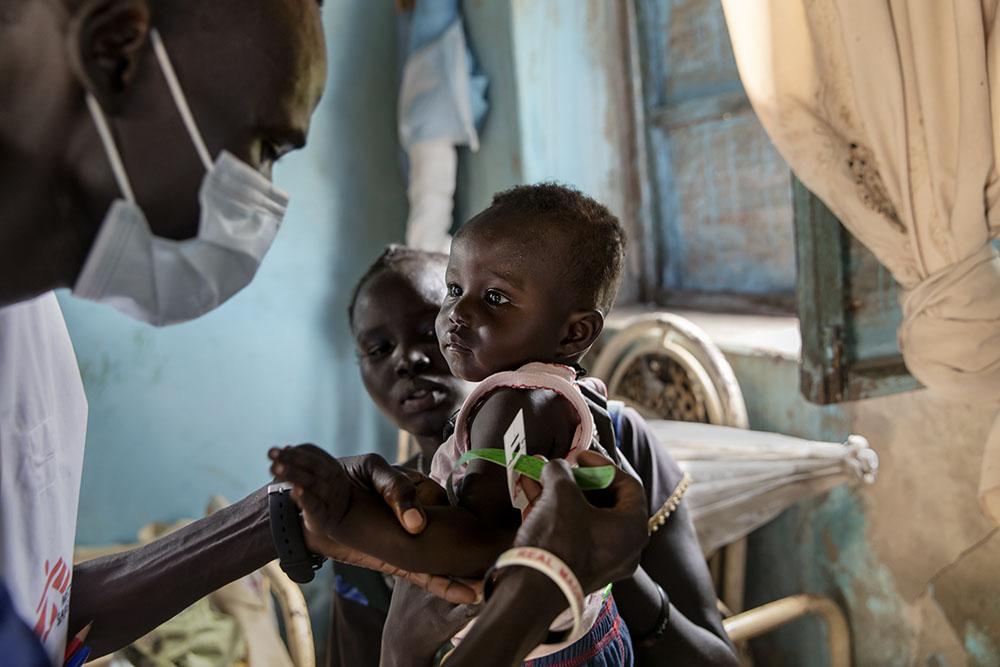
x=320 y=486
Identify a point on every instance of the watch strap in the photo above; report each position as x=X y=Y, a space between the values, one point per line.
x=294 y=557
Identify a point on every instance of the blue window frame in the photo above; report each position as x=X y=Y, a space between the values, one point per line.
x=730 y=233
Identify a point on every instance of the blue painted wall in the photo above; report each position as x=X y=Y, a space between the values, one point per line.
x=560 y=106
x=181 y=413
x=498 y=163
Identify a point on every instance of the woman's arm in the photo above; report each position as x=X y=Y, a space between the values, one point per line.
x=694 y=634
x=672 y=559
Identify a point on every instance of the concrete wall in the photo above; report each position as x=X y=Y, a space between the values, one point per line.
x=498 y=163
x=180 y=413
x=910 y=558
x=560 y=106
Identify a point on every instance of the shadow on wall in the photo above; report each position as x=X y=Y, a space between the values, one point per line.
x=180 y=413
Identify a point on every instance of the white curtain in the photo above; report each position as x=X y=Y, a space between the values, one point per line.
x=889 y=110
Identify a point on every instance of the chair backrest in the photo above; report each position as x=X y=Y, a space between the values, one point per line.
x=666 y=367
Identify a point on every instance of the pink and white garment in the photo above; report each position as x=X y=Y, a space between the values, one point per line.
x=535 y=375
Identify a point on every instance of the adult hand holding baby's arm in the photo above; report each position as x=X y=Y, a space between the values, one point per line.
x=600 y=543
x=361 y=502
x=323 y=487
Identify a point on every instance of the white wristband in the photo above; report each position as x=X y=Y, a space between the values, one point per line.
x=555 y=569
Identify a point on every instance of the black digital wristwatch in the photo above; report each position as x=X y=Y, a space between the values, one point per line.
x=295 y=559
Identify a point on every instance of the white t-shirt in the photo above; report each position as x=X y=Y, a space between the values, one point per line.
x=43 y=423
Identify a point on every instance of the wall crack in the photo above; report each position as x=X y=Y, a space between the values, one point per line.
x=958 y=559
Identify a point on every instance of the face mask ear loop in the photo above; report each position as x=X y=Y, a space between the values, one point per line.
x=179 y=99
x=110 y=149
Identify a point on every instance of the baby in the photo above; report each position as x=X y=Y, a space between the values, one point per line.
x=529 y=281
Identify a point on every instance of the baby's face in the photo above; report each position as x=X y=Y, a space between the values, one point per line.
x=503 y=306
x=400 y=360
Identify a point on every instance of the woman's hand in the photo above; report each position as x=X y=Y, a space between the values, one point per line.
x=600 y=544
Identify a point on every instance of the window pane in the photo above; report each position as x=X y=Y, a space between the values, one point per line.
x=723 y=204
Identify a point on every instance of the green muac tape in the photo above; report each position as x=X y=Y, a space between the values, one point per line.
x=588 y=479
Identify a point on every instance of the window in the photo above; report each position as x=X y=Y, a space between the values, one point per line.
x=732 y=232
x=722 y=205
x=848 y=308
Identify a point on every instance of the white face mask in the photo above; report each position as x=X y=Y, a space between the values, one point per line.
x=162 y=281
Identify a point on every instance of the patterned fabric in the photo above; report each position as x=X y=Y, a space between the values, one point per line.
x=608 y=644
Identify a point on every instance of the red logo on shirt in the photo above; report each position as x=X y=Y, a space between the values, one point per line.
x=54 y=603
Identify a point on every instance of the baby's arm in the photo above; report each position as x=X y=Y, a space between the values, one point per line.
x=458 y=541
x=549 y=425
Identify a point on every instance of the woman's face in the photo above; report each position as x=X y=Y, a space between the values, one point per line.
x=400 y=360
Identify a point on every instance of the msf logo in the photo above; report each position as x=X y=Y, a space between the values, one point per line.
x=53 y=605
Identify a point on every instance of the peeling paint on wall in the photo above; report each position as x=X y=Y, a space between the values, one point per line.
x=911 y=559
